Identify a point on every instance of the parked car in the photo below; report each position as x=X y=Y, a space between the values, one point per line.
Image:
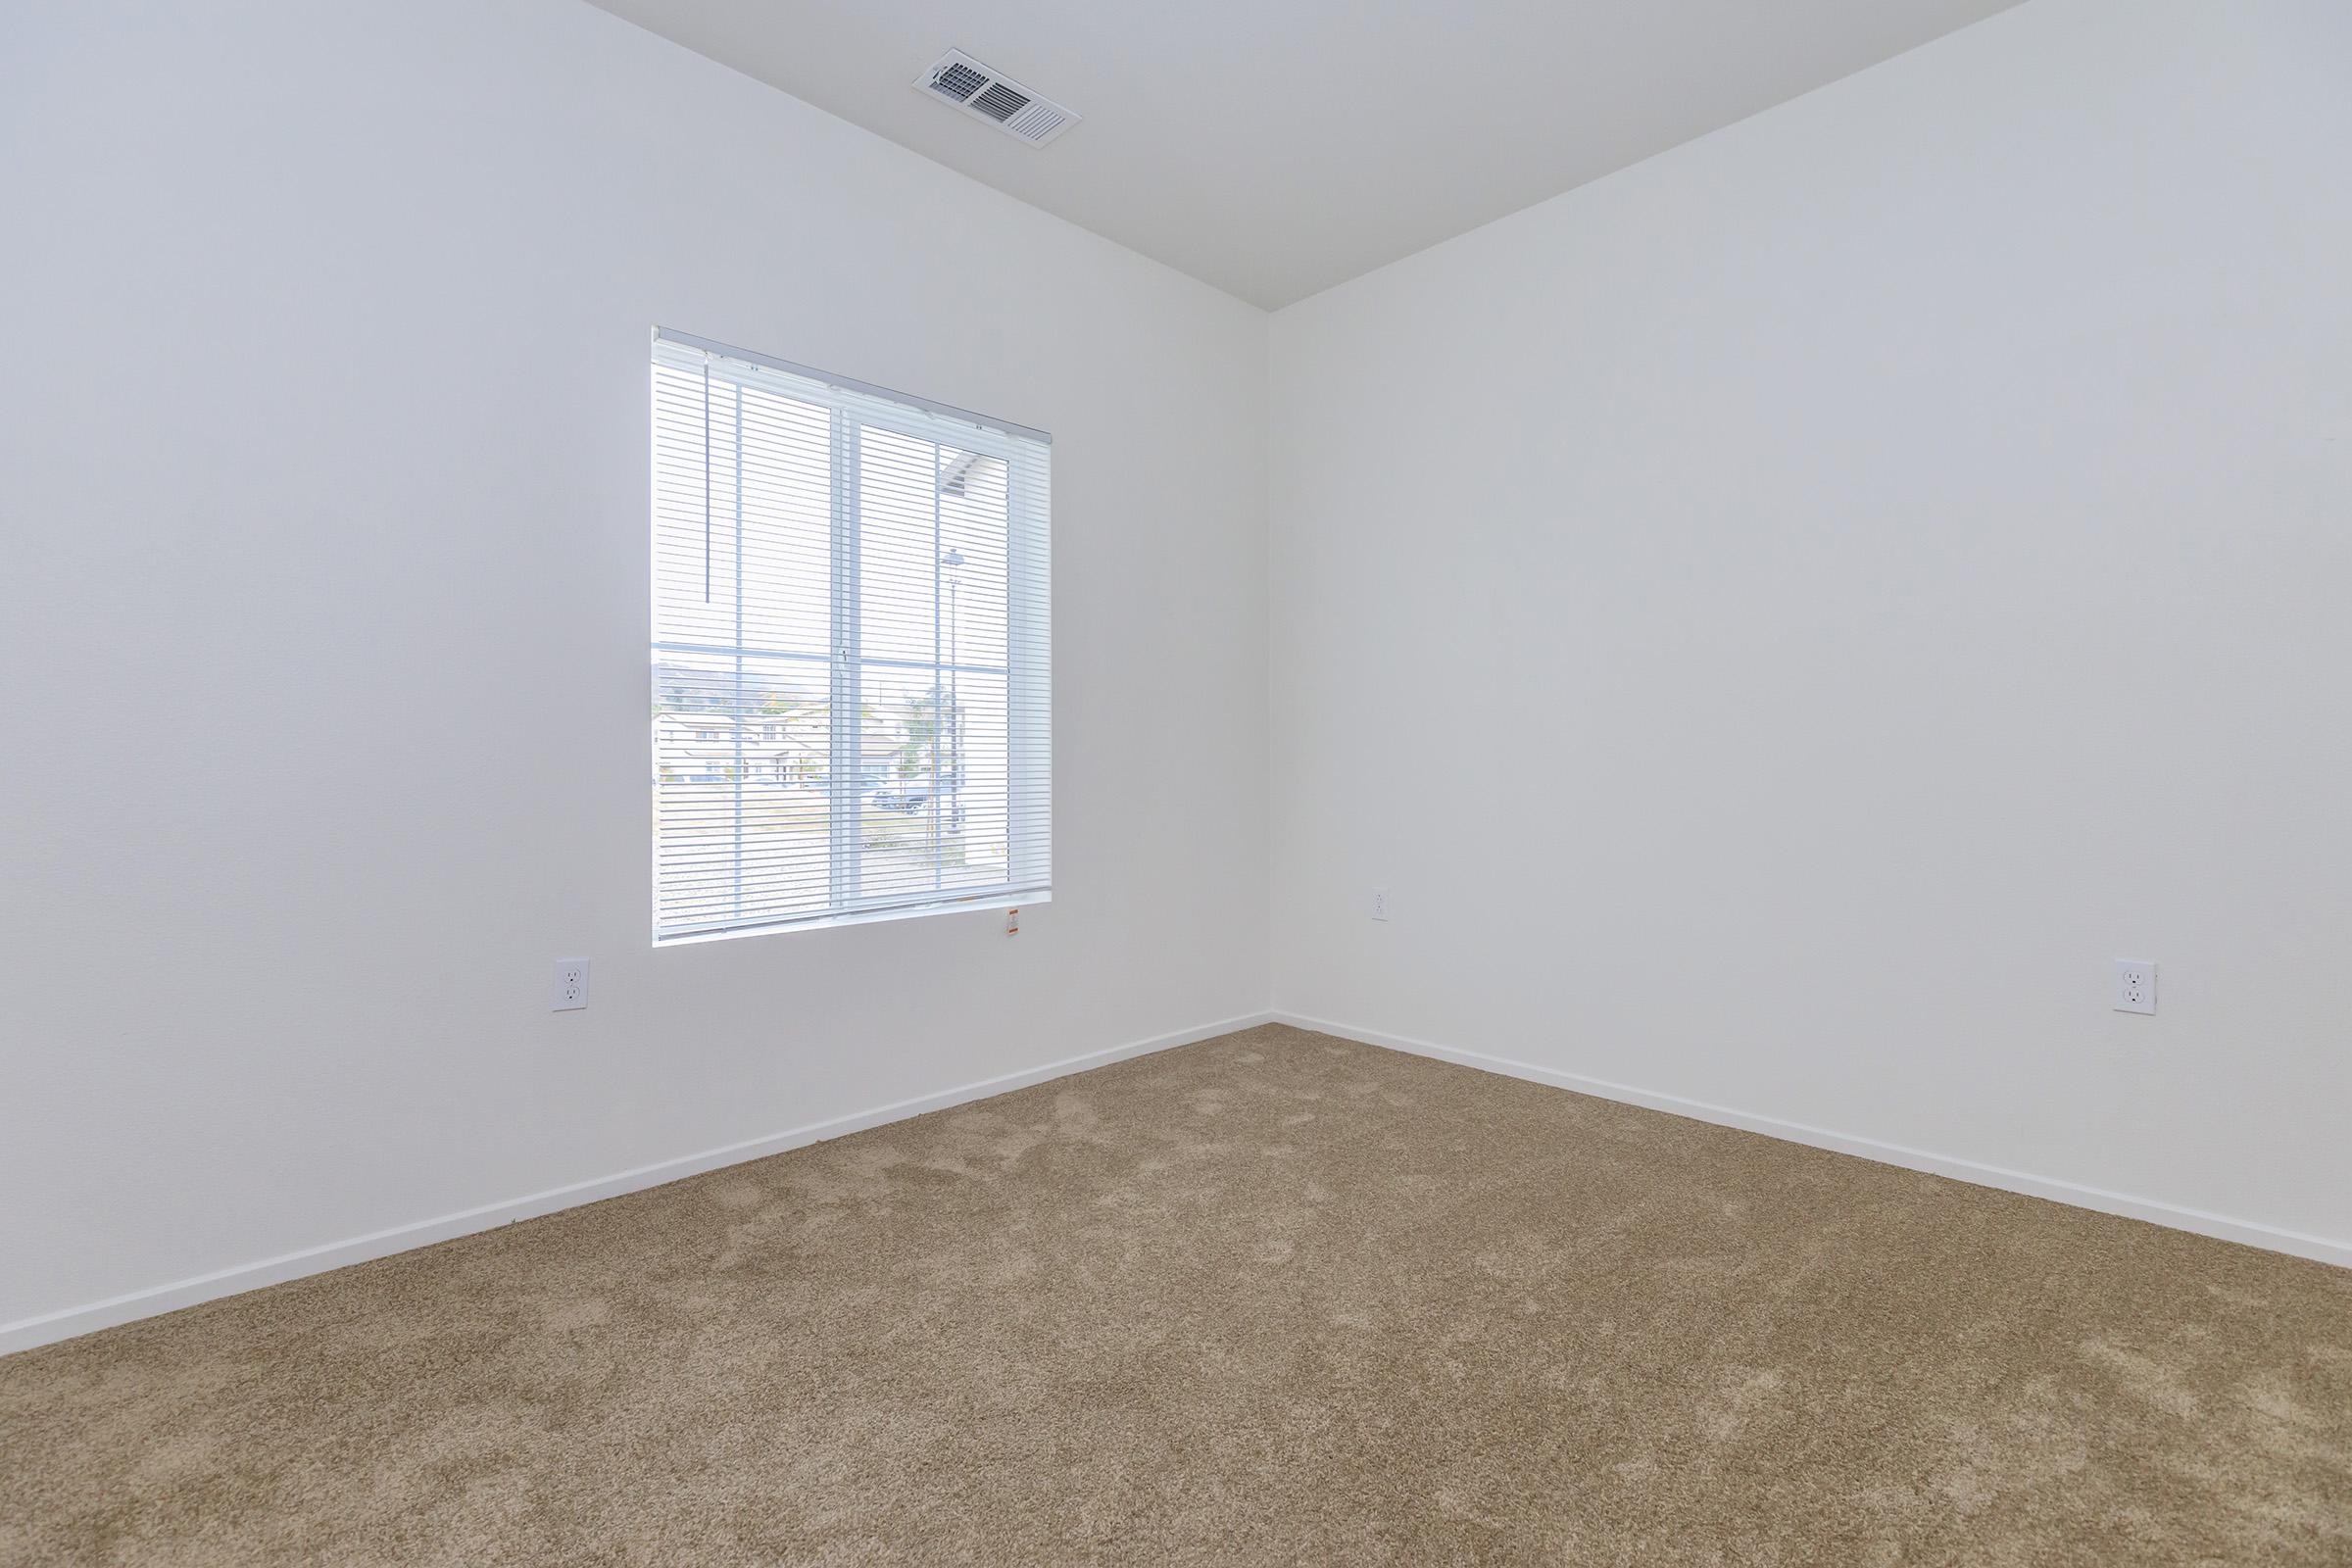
x=912 y=794
x=904 y=794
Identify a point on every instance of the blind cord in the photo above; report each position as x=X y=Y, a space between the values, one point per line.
x=706 y=478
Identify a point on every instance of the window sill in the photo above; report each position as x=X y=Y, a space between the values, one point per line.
x=988 y=905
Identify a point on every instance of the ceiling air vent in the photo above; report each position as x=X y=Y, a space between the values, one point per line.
x=985 y=95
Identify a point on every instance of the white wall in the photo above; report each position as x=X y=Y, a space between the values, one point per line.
x=322 y=454
x=1781 y=619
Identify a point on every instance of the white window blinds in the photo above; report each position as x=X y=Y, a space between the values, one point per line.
x=850 y=649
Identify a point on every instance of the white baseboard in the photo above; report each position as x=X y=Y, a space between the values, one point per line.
x=49 y=1327
x=2294 y=1243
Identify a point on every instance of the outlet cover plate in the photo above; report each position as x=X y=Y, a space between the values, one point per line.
x=572 y=984
x=2135 y=986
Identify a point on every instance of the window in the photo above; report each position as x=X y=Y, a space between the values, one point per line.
x=850 y=650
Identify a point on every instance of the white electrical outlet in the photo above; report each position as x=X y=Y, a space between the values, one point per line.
x=572 y=984
x=2135 y=986
x=1379 y=903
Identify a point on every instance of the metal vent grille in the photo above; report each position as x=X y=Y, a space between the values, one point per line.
x=984 y=94
x=1037 y=122
x=958 y=80
x=1000 y=103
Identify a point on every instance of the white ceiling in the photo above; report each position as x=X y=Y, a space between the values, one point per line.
x=1276 y=147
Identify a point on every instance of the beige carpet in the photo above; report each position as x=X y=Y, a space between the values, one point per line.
x=1274 y=1298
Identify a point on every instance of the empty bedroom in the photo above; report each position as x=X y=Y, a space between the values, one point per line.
x=803 y=782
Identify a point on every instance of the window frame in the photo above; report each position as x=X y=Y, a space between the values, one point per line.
x=854 y=406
